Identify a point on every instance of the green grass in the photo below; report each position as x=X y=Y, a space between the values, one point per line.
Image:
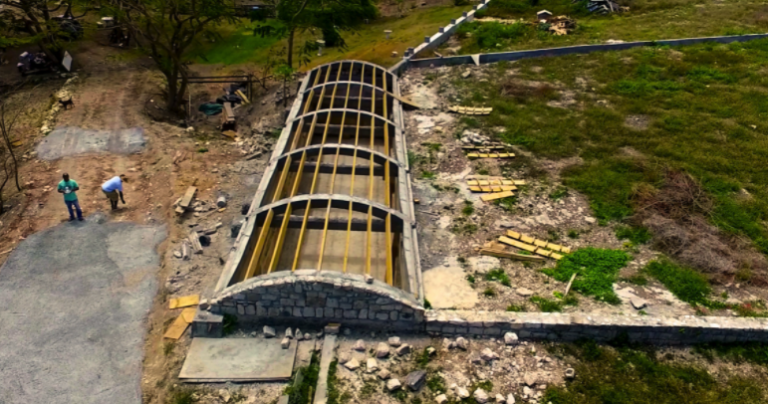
x=468 y=208
x=182 y=396
x=367 y=42
x=685 y=283
x=489 y=292
x=704 y=106
x=637 y=376
x=230 y=324
x=635 y=235
x=751 y=352
x=553 y=305
x=596 y=269
x=428 y=175
x=335 y=396
x=517 y=308
x=500 y=276
x=436 y=384
x=637 y=279
x=300 y=393
x=646 y=20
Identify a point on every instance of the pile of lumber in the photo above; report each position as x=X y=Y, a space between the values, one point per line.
x=533 y=245
x=488 y=150
x=561 y=25
x=493 y=185
x=470 y=110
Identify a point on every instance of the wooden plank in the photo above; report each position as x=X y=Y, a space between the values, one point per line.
x=499 y=195
x=554 y=247
x=194 y=240
x=510 y=255
x=566 y=250
x=543 y=252
x=515 y=243
x=188 y=197
x=526 y=239
x=184 y=301
x=556 y=256
x=228 y=112
x=540 y=243
x=513 y=234
x=245 y=99
x=176 y=330
x=570 y=283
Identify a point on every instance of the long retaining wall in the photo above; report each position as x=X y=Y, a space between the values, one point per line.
x=438 y=38
x=572 y=327
x=569 y=50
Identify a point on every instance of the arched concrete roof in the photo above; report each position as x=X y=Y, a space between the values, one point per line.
x=346 y=150
x=340 y=200
x=348 y=110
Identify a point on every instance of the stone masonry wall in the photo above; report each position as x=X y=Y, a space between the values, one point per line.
x=572 y=327
x=309 y=296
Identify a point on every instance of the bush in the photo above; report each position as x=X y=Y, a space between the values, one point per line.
x=636 y=235
x=499 y=275
x=685 y=283
x=596 y=269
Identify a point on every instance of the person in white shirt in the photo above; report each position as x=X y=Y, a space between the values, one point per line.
x=113 y=189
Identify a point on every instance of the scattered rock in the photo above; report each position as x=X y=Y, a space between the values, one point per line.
x=466 y=73
x=344 y=358
x=483 y=264
x=530 y=379
x=510 y=399
x=285 y=343
x=500 y=399
x=384 y=374
x=368 y=279
x=393 y=384
x=462 y=393
x=476 y=360
x=371 y=365
x=524 y=292
x=488 y=355
x=481 y=396
x=590 y=220
x=441 y=399
x=288 y=333
x=224 y=394
x=298 y=336
x=527 y=392
x=570 y=373
x=382 y=350
x=415 y=380
x=462 y=343
x=638 y=303
x=177 y=254
x=359 y=346
x=403 y=350
x=352 y=364
x=510 y=338
x=394 y=341
x=431 y=351
x=448 y=344
x=269 y=332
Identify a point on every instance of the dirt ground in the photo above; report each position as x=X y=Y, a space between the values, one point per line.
x=450 y=233
x=114 y=94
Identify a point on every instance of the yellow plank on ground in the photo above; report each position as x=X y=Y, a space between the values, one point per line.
x=184 y=301
x=554 y=247
x=498 y=195
x=543 y=252
x=189 y=314
x=176 y=330
x=556 y=256
x=515 y=235
x=540 y=243
x=526 y=239
x=515 y=243
x=566 y=250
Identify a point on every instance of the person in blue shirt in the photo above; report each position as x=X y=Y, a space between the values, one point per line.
x=68 y=187
x=114 y=188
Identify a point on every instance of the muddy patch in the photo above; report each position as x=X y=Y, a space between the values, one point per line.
x=637 y=122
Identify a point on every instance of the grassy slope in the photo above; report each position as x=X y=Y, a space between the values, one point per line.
x=368 y=43
x=706 y=104
x=646 y=20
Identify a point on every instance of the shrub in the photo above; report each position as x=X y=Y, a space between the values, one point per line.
x=499 y=275
x=636 y=235
x=685 y=283
x=596 y=270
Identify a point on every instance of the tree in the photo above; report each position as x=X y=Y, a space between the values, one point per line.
x=285 y=74
x=328 y=16
x=166 y=29
x=31 y=21
x=8 y=163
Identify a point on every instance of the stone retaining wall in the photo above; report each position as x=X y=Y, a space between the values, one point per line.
x=309 y=296
x=572 y=327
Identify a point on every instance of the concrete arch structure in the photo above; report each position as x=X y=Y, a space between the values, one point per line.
x=338 y=169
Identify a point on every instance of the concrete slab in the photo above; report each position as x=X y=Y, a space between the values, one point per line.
x=447 y=287
x=73 y=301
x=238 y=359
x=329 y=345
x=70 y=141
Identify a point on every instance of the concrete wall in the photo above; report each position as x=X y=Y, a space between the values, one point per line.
x=309 y=296
x=571 y=327
x=570 y=50
x=438 y=38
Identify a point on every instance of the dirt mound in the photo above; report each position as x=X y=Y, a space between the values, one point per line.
x=677 y=213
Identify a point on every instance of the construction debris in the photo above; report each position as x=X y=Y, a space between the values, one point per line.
x=186 y=200
x=470 y=110
x=534 y=245
x=603 y=6
x=561 y=25
x=176 y=330
x=490 y=155
x=184 y=301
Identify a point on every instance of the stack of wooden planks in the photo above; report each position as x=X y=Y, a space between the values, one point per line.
x=534 y=245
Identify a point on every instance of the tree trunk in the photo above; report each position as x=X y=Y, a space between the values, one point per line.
x=290 y=48
x=172 y=99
